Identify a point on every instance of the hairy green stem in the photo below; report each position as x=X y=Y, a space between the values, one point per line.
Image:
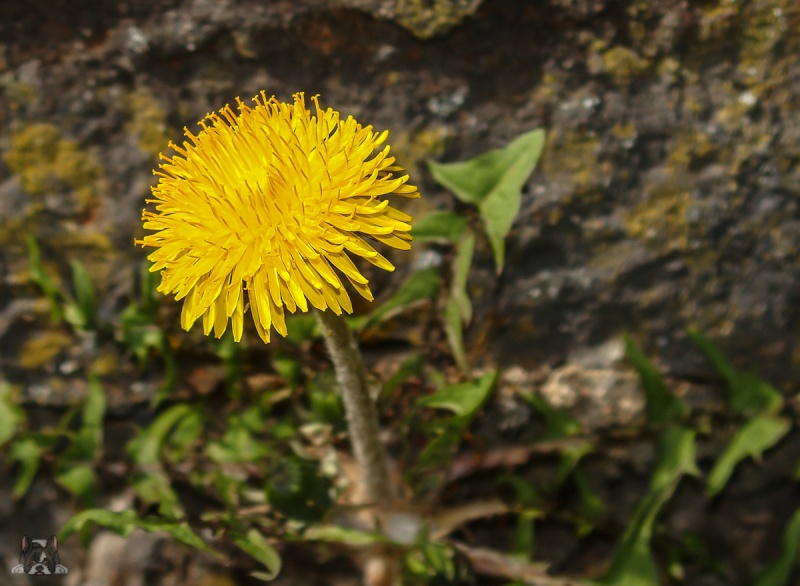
x=362 y=416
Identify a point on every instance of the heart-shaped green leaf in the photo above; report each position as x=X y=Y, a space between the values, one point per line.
x=493 y=182
x=439 y=226
x=464 y=399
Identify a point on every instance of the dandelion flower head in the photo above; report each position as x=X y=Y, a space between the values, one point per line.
x=261 y=207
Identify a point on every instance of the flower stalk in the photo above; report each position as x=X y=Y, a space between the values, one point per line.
x=362 y=416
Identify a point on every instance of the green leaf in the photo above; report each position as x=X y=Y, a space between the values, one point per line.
x=297 y=490
x=677 y=458
x=420 y=286
x=154 y=488
x=180 y=424
x=139 y=332
x=461 y=266
x=464 y=399
x=525 y=535
x=344 y=535
x=89 y=439
x=750 y=440
x=258 y=548
x=287 y=365
x=525 y=493
x=749 y=395
x=40 y=278
x=633 y=564
x=559 y=423
x=170 y=373
x=26 y=452
x=410 y=367
x=228 y=488
x=356 y=323
x=570 y=457
x=145 y=448
x=475 y=180
x=591 y=505
x=237 y=444
x=231 y=354
x=148 y=286
x=662 y=406
x=493 y=181
x=84 y=294
x=458 y=310
x=179 y=531
x=124 y=522
x=185 y=433
x=454 y=331
x=439 y=226
x=78 y=479
x=12 y=416
x=779 y=571
x=437 y=563
x=94 y=410
x=302 y=327
x=326 y=402
x=66 y=421
x=73 y=315
x=438 y=454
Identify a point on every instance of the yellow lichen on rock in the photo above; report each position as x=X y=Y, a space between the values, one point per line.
x=620 y=63
x=691 y=148
x=146 y=120
x=660 y=220
x=624 y=64
x=18 y=94
x=424 y=18
x=42 y=348
x=48 y=163
x=574 y=155
x=428 y=143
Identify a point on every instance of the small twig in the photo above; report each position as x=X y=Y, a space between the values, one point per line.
x=510 y=456
x=492 y=563
x=254 y=510
x=449 y=520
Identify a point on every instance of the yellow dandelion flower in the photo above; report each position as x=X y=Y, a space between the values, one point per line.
x=271 y=201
